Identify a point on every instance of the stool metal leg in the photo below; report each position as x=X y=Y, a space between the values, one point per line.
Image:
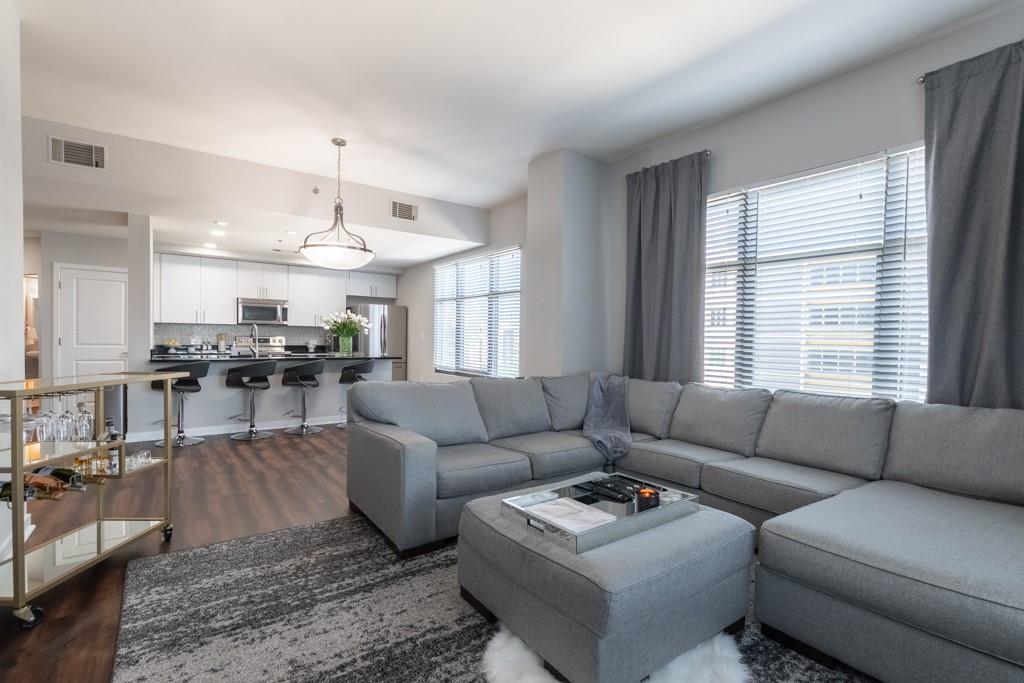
x=180 y=439
x=304 y=429
x=253 y=434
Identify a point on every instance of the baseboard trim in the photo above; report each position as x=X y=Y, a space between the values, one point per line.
x=234 y=428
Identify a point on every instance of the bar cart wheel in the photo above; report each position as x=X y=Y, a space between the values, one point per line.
x=168 y=532
x=30 y=616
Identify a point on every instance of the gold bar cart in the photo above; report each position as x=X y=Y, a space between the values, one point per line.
x=17 y=587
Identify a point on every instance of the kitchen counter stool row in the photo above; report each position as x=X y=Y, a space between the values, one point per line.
x=254 y=377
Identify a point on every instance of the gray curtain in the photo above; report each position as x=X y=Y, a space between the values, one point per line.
x=665 y=232
x=974 y=132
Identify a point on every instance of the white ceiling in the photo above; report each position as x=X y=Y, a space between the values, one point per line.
x=446 y=99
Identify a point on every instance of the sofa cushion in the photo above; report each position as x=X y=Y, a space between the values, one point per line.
x=635 y=437
x=837 y=433
x=445 y=413
x=566 y=399
x=555 y=453
x=672 y=460
x=478 y=468
x=729 y=419
x=651 y=405
x=973 y=451
x=947 y=564
x=773 y=485
x=511 y=407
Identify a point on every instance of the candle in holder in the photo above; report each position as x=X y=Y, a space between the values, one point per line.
x=646 y=499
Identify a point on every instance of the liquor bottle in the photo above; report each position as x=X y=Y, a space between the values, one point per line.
x=70 y=477
x=7 y=493
x=111 y=435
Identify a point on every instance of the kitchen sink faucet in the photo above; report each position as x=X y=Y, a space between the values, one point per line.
x=254 y=344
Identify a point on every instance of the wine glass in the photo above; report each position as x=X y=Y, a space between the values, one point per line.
x=84 y=422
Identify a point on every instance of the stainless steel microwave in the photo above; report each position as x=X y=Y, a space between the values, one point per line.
x=263 y=311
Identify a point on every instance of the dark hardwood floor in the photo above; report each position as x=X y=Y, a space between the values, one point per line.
x=223 y=489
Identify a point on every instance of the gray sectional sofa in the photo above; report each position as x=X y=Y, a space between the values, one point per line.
x=892 y=534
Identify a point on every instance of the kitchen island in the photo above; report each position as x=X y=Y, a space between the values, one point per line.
x=219 y=409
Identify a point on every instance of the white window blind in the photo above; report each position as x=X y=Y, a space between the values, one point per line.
x=476 y=315
x=819 y=283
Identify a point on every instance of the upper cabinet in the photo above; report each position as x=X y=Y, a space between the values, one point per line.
x=373 y=285
x=314 y=293
x=196 y=290
x=262 y=281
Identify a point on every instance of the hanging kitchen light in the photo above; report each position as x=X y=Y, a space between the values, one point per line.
x=328 y=248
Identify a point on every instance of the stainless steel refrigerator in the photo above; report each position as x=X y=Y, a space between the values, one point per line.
x=387 y=335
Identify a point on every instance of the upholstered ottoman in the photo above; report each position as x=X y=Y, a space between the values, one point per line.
x=618 y=612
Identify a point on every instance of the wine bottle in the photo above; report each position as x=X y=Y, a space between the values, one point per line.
x=7 y=493
x=70 y=477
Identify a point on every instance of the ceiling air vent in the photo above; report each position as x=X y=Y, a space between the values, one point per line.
x=407 y=212
x=77 y=153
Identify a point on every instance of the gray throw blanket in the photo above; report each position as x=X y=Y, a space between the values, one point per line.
x=606 y=423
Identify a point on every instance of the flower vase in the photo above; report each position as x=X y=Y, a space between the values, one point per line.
x=346 y=345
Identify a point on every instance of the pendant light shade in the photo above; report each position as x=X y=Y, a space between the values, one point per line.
x=336 y=247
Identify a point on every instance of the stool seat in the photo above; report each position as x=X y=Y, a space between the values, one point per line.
x=182 y=386
x=253 y=377
x=305 y=376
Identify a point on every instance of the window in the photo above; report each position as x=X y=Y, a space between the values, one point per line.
x=476 y=315
x=819 y=283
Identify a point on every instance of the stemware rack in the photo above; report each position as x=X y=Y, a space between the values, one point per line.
x=26 y=573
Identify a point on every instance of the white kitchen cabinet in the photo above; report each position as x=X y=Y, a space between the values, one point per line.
x=262 y=280
x=314 y=293
x=180 y=289
x=303 y=306
x=275 y=281
x=218 y=280
x=333 y=292
x=373 y=285
x=155 y=288
x=196 y=290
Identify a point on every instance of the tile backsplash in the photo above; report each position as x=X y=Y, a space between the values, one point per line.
x=183 y=332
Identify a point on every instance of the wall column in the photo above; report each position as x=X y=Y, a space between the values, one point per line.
x=12 y=232
x=563 y=312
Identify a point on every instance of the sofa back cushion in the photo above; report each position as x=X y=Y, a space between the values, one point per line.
x=651 y=405
x=445 y=413
x=566 y=399
x=511 y=407
x=837 y=433
x=972 y=451
x=727 y=419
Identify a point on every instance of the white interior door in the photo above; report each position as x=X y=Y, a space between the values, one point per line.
x=91 y=331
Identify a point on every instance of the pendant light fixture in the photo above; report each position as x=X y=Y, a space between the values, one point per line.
x=328 y=248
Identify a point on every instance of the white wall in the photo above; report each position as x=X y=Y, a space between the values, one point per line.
x=33 y=262
x=875 y=107
x=12 y=310
x=416 y=289
x=57 y=247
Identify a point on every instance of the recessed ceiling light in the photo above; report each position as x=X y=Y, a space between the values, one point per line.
x=209 y=245
x=222 y=224
x=290 y=232
x=217 y=233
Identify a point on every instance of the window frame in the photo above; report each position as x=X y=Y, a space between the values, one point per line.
x=747 y=262
x=494 y=295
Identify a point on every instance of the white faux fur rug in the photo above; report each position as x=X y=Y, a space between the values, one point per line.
x=507 y=659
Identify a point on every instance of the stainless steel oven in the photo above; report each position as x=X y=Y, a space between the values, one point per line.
x=262 y=311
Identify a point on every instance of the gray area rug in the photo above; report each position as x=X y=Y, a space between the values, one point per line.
x=326 y=602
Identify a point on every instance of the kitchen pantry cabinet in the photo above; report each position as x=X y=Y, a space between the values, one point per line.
x=314 y=293
x=196 y=290
x=373 y=284
x=262 y=281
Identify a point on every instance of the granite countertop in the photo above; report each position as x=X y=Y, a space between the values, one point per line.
x=225 y=358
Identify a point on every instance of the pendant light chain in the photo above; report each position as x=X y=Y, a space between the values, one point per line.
x=337 y=197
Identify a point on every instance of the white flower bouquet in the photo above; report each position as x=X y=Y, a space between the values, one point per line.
x=346 y=325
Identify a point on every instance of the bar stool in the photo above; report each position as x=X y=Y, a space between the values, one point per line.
x=254 y=377
x=350 y=374
x=304 y=376
x=180 y=387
